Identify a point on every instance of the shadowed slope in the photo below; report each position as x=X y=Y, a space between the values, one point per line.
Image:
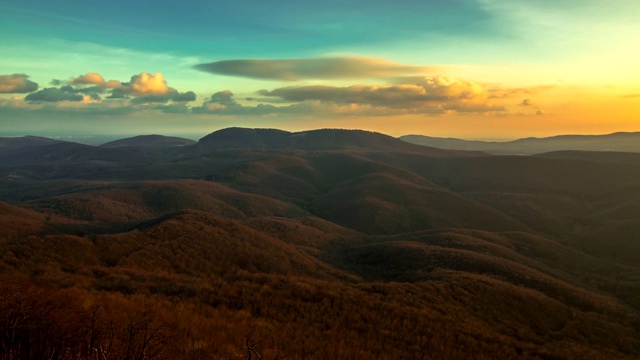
x=16 y=222
x=576 y=200
x=202 y=245
x=131 y=201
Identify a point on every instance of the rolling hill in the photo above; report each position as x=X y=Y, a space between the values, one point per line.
x=321 y=244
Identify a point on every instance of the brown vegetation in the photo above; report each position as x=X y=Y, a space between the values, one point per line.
x=317 y=251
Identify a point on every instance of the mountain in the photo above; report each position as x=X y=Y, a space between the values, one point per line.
x=322 y=139
x=620 y=142
x=318 y=244
x=149 y=141
x=25 y=141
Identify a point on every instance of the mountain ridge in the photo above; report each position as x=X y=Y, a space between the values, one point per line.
x=618 y=142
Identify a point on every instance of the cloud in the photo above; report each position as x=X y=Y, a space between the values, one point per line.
x=16 y=83
x=315 y=68
x=164 y=98
x=148 y=93
x=54 y=94
x=224 y=98
x=118 y=93
x=148 y=84
x=186 y=96
x=527 y=102
x=177 y=108
x=503 y=93
x=88 y=79
x=425 y=95
x=147 y=88
x=142 y=93
x=532 y=104
x=223 y=103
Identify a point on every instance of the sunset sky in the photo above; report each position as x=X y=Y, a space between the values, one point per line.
x=472 y=69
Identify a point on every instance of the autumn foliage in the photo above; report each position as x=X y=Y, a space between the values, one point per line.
x=250 y=248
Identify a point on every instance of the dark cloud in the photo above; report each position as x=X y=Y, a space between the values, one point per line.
x=117 y=94
x=223 y=97
x=178 y=108
x=220 y=102
x=532 y=104
x=94 y=96
x=16 y=84
x=164 y=98
x=430 y=90
x=223 y=103
x=183 y=97
x=150 y=99
x=318 y=68
x=54 y=95
x=67 y=93
x=90 y=90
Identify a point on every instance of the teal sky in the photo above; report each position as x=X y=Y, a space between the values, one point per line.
x=469 y=68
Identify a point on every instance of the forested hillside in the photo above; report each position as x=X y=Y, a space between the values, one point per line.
x=327 y=244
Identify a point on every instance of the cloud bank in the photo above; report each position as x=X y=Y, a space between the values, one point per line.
x=149 y=93
x=428 y=95
x=315 y=68
x=16 y=84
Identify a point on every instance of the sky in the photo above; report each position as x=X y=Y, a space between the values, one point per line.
x=471 y=69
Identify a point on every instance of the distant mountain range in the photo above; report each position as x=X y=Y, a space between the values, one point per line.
x=622 y=142
x=329 y=244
